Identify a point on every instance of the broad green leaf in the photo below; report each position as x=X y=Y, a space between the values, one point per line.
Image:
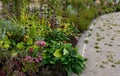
x=65 y=52
x=52 y=62
x=6 y=45
x=20 y=45
x=6 y=40
x=57 y=53
x=68 y=45
x=1 y=42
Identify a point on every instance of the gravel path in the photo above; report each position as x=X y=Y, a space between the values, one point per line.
x=101 y=45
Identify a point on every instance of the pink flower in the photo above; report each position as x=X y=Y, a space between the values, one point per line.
x=40 y=58
x=31 y=50
x=28 y=58
x=76 y=38
x=40 y=43
x=36 y=60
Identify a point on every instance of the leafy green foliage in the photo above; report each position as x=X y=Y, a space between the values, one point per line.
x=38 y=40
x=22 y=41
x=66 y=55
x=57 y=35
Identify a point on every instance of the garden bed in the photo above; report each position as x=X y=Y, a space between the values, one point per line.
x=42 y=41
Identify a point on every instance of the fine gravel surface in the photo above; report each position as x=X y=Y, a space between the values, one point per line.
x=101 y=46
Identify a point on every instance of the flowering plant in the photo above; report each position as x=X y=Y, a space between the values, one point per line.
x=40 y=43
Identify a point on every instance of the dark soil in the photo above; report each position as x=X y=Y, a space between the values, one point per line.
x=52 y=70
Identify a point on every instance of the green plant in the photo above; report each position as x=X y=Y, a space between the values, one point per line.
x=10 y=7
x=56 y=35
x=118 y=7
x=21 y=39
x=86 y=16
x=65 y=55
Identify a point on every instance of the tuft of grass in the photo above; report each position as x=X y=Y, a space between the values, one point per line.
x=112 y=65
x=109 y=44
x=89 y=34
x=98 y=51
x=101 y=66
x=118 y=31
x=105 y=62
x=96 y=43
x=117 y=62
x=99 y=39
x=105 y=44
x=112 y=38
x=90 y=29
x=86 y=41
x=97 y=34
x=97 y=47
x=102 y=29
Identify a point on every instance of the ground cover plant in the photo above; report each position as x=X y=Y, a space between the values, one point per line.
x=42 y=41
